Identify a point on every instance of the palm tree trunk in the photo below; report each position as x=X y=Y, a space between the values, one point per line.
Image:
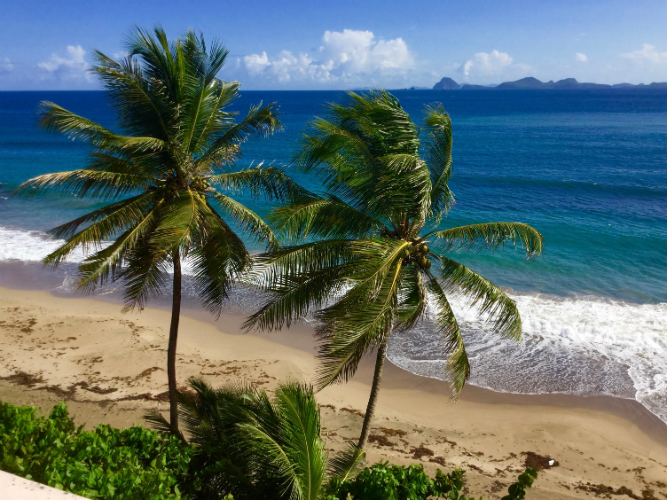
x=173 y=338
x=375 y=389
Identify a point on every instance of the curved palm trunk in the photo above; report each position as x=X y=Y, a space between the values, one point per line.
x=173 y=338
x=375 y=390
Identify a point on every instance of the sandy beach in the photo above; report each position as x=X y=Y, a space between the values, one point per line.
x=110 y=367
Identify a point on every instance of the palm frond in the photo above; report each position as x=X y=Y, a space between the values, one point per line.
x=346 y=463
x=260 y=121
x=55 y=118
x=218 y=258
x=270 y=182
x=326 y=217
x=439 y=158
x=292 y=299
x=85 y=183
x=481 y=292
x=178 y=222
x=491 y=235
x=458 y=365
x=248 y=220
x=148 y=166
x=201 y=102
x=107 y=262
x=120 y=214
x=282 y=443
x=291 y=262
x=217 y=120
x=145 y=275
x=412 y=298
x=300 y=279
x=141 y=104
x=115 y=219
x=368 y=155
x=362 y=318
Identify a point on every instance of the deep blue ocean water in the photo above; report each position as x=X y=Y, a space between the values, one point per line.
x=587 y=168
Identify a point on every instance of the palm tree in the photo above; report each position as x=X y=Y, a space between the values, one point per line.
x=251 y=446
x=376 y=257
x=179 y=145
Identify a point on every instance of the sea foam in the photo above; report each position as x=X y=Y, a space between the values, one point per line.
x=583 y=345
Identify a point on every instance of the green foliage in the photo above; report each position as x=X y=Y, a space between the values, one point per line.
x=251 y=445
x=245 y=446
x=127 y=464
x=394 y=482
x=517 y=491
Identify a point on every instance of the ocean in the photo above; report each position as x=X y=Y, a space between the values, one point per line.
x=587 y=168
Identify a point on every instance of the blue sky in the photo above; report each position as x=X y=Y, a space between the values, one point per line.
x=346 y=44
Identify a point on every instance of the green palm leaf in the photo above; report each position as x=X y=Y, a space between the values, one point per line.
x=285 y=439
x=54 y=118
x=86 y=183
x=488 y=297
x=326 y=217
x=354 y=324
x=439 y=158
x=107 y=261
x=457 y=364
x=248 y=220
x=412 y=298
x=114 y=220
x=270 y=182
x=260 y=121
x=491 y=235
x=254 y=446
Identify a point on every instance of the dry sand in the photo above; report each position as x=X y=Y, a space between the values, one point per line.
x=110 y=367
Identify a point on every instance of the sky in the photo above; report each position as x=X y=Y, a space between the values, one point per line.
x=341 y=44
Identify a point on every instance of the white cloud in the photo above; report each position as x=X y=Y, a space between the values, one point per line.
x=484 y=64
x=647 y=54
x=71 y=67
x=344 y=57
x=579 y=57
x=6 y=66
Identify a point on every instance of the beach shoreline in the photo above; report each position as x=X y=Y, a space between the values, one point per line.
x=32 y=276
x=109 y=367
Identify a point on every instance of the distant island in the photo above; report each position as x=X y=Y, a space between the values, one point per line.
x=533 y=83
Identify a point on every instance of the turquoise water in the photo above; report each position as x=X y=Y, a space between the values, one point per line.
x=588 y=169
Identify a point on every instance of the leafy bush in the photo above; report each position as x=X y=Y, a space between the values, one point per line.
x=253 y=445
x=517 y=491
x=394 y=482
x=127 y=464
x=137 y=463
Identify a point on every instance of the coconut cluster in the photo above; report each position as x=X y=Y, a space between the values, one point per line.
x=419 y=254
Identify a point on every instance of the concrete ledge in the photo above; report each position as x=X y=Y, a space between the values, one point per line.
x=16 y=488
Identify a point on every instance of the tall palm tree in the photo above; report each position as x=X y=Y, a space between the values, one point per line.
x=376 y=256
x=177 y=145
x=252 y=446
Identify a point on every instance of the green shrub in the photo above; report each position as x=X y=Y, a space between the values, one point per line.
x=127 y=464
x=394 y=482
x=517 y=491
x=140 y=464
